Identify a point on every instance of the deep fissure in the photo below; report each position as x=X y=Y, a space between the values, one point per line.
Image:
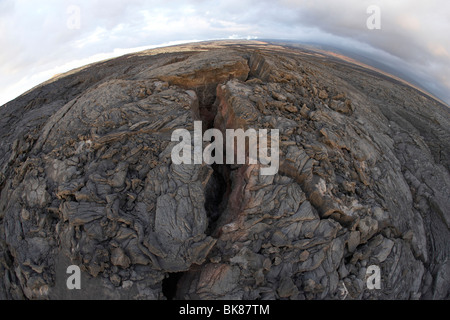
x=216 y=195
x=217 y=189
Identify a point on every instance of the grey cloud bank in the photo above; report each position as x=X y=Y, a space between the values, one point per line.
x=37 y=43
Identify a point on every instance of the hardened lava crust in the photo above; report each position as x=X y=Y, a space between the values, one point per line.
x=87 y=179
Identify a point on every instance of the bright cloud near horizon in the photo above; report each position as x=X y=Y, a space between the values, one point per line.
x=39 y=39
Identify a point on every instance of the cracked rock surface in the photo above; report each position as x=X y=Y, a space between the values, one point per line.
x=87 y=179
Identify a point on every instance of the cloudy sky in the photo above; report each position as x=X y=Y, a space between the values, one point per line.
x=39 y=39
